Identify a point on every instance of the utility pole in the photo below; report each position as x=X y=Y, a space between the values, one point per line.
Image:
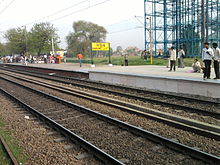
x=151 y=41
x=145 y=27
x=150 y=32
x=203 y=21
x=53 y=46
x=25 y=35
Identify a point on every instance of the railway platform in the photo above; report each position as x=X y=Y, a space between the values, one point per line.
x=148 y=76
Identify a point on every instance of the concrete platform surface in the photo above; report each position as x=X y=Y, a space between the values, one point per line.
x=145 y=70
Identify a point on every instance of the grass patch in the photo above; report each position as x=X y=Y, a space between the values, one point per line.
x=15 y=149
x=3 y=156
x=132 y=61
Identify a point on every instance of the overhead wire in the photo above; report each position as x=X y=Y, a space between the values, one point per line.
x=57 y=12
x=78 y=11
x=124 y=30
x=119 y=22
x=75 y=12
x=1 y=2
x=7 y=6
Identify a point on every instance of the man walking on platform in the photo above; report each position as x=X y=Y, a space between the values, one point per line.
x=168 y=57
x=207 y=55
x=216 y=59
x=172 y=59
x=181 y=55
x=80 y=57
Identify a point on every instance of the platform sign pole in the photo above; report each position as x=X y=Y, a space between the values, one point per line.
x=92 y=62
x=151 y=59
x=92 y=58
x=151 y=42
x=109 y=54
x=102 y=46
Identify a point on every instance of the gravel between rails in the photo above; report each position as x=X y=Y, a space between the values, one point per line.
x=117 y=142
x=33 y=139
x=167 y=109
x=170 y=99
x=205 y=144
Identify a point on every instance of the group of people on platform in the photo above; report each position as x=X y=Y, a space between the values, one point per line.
x=171 y=53
x=208 y=54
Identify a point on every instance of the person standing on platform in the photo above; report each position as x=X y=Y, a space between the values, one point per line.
x=172 y=59
x=144 y=54
x=50 y=59
x=45 y=58
x=168 y=57
x=126 y=59
x=181 y=55
x=216 y=59
x=64 y=58
x=207 y=55
x=80 y=57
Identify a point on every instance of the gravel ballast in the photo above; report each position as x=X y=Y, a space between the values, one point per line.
x=205 y=144
x=34 y=140
x=115 y=141
x=163 y=108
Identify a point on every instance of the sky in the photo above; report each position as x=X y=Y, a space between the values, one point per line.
x=117 y=16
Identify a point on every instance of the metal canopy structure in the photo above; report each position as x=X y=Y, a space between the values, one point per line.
x=182 y=23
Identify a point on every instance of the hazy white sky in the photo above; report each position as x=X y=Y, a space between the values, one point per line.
x=117 y=16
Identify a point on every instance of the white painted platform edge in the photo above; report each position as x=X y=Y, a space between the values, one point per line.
x=182 y=86
x=157 y=77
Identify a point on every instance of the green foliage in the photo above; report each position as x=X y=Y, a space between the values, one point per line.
x=16 y=41
x=40 y=38
x=84 y=33
x=3 y=49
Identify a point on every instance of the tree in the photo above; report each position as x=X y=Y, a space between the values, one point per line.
x=85 y=33
x=40 y=38
x=16 y=43
x=119 y=49
x=3 y=49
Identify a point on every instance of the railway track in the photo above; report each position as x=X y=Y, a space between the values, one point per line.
x=201 y=128
x=192 y=139
x=210 y=108
x=40 y=143
x=101 y=155
x=8 y=152
x=131 y=144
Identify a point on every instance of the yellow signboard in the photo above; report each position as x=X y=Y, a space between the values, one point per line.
x=100 y=46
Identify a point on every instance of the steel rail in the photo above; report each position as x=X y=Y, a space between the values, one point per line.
x=103 y=156
x=57 y=71
x=206 y=157
x=124 y=87
x=172 y=120
x=10 y=155
x=128 y=95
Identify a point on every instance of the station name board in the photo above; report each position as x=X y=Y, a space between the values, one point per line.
x=100 y=46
